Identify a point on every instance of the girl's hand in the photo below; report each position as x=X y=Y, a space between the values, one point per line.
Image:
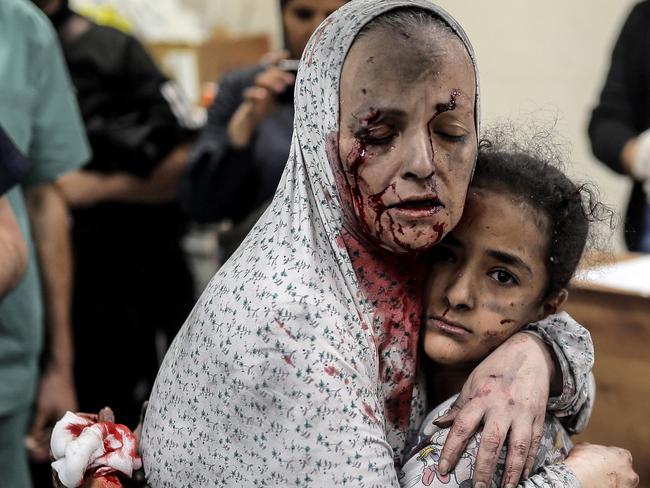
x=507 y=394
x=602 y=467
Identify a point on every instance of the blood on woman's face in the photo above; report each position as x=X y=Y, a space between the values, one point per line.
x=407 y=137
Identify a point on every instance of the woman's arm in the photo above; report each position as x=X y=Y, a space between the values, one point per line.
x=594 y=466
x=422 y=469
x=557 y=464
x=508 y=393
x=573 y=352
x=293 y=403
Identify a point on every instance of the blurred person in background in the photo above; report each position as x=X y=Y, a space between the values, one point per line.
x=620 y=125
x=132 y=285
x=13 y=248
x=40 y=115
x=239 y=157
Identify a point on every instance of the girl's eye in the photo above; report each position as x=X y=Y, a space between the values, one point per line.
x=503 y=277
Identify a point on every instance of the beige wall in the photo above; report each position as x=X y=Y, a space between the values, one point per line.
x=248 y=17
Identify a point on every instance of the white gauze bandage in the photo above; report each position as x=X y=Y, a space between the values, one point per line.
x=80 y=445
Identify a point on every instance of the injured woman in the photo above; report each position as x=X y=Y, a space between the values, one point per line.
x=299 y=364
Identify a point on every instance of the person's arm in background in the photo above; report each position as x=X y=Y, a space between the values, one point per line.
x=86 y=188
x=220 y=163
x=13 y=249
x=165 y=113
x=506 y=394
x=51 y=231
x=58 y=145
x=618 y=119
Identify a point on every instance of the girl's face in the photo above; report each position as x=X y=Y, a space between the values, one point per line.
x=301 y=18
x=407 y=140
x=488 y=278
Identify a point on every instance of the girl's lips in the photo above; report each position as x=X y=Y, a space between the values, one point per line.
x=446 y=326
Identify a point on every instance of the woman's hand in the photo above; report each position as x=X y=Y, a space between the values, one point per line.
x=507 y=393
x=602 y=467
x=260 y=101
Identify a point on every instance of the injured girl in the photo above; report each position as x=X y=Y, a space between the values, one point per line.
x=505 y=265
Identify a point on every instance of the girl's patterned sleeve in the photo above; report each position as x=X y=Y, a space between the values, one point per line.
x=549 y=472
x=574 y=351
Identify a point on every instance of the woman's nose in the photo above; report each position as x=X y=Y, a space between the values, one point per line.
x=419 y=163
x=460 y=293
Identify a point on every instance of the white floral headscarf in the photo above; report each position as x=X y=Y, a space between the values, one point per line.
x=283 y=372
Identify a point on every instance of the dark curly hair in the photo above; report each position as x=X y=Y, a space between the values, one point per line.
x=569 y=208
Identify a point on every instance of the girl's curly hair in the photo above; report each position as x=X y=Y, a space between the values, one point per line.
x=531 y=174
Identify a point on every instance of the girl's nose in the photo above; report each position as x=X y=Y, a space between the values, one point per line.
x=460 y=293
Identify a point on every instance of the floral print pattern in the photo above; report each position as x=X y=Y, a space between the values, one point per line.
x=421 y=470
x=297 y=366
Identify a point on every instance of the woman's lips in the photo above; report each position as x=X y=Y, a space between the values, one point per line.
x=417 y=208
x=447 y=326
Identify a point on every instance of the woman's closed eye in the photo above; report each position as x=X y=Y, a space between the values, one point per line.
x=450 y=132
x=452 y=137
x=378 y=136
x=503 y=277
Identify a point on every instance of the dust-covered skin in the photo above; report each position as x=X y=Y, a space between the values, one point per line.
x=407 y=134
x=488 y=278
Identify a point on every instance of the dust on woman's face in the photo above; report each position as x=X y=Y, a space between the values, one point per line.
x=407 y=137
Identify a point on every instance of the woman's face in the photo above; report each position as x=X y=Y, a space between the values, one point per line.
x=487 y=279
x=300 y=19
x=407 y=139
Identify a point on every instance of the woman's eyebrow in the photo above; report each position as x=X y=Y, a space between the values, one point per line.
x=509 y=259
x=377 y=114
